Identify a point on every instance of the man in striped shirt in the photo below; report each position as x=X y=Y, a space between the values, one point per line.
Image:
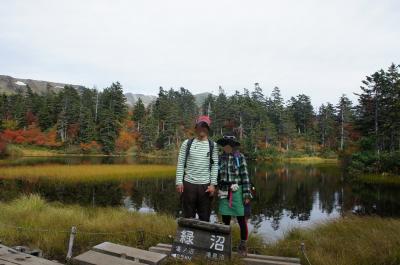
x=197 y=170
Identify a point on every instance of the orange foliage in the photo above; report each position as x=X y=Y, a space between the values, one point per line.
x=125 y=141
x=51 y=139
x=92 y=147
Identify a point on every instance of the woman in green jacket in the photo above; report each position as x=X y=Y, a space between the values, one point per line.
x=234 y=187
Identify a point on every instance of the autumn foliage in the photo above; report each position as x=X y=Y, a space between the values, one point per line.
x=3 y=146
x=126 y=137
x=32 y=135
x=92 y=147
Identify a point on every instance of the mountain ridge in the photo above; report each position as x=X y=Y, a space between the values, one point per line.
x=11 y=85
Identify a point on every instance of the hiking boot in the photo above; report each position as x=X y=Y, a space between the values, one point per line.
x=242 y=248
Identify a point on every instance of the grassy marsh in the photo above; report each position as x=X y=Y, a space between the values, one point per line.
x=385 y=179
x=311 y=160
x=47 y=225
x=101 y=172
x=346 y=241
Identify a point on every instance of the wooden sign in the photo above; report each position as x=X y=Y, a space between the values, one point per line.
x=199 y=238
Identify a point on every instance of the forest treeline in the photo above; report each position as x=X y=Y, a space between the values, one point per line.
x=92 y=121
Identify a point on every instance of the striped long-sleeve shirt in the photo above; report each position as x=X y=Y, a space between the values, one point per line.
x=198 y=162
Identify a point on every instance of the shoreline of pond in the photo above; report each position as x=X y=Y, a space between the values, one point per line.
x=18 y=151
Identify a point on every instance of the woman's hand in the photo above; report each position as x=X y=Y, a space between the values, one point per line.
x=211 y=190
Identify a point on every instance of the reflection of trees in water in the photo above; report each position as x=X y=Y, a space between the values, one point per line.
x=293 y=189
x=92 y=193
x=157 y=193
x=282 y=190
x=382 y=200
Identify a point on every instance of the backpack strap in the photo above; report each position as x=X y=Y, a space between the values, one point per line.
x=188 y=145
x=211 y=147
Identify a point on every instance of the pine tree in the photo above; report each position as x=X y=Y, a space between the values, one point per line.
x=112 y=112
x=139 y=112
x=87 y=124
x=327 y=125
x=303 y=113
x=345 y=117
x=69 y=105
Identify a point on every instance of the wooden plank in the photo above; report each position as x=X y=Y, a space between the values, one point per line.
x=164 y=245
x=4 y=262
x=166 y=248
x=130 y=253
x=161 y=250
x=96 y=258
x=277 y=258
x=249 y=261
x=18 y=258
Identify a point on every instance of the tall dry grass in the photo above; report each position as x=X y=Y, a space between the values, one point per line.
x=348 y=241
x=47 y=225
x=101 y=172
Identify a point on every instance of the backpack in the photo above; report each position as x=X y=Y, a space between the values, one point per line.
x=189 y=144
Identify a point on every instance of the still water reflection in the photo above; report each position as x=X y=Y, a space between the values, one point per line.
x=288 y=195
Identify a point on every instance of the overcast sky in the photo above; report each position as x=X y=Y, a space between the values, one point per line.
x=319 y=48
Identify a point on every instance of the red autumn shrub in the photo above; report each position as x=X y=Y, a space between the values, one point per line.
x=40 y=139
x=91 y=147
x=3 y=146
x=9 y=135
x=31 y=134
x=19 y=139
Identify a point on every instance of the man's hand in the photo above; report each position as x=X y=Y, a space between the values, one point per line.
x=179 y=188
x=211 y=190
x=247 y=201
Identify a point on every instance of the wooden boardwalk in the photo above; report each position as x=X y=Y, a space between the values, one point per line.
x=109 y=253
x=9 y=256
x=251 y=259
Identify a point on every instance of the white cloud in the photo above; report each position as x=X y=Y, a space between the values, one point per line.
x=320 y=48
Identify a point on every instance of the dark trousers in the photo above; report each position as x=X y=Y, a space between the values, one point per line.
x=195 y=199
x=244 y=233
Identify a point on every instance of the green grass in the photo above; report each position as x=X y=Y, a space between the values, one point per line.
x=386 y=179
x=348 y=241
x=47 y=225
x=311 y=160
x=112 y=224
x=24 y=150
x=103 y=172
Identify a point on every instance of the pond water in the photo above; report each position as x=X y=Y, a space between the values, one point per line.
x=288 y=195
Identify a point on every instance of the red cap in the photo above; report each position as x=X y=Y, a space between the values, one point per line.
x=204 y=118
